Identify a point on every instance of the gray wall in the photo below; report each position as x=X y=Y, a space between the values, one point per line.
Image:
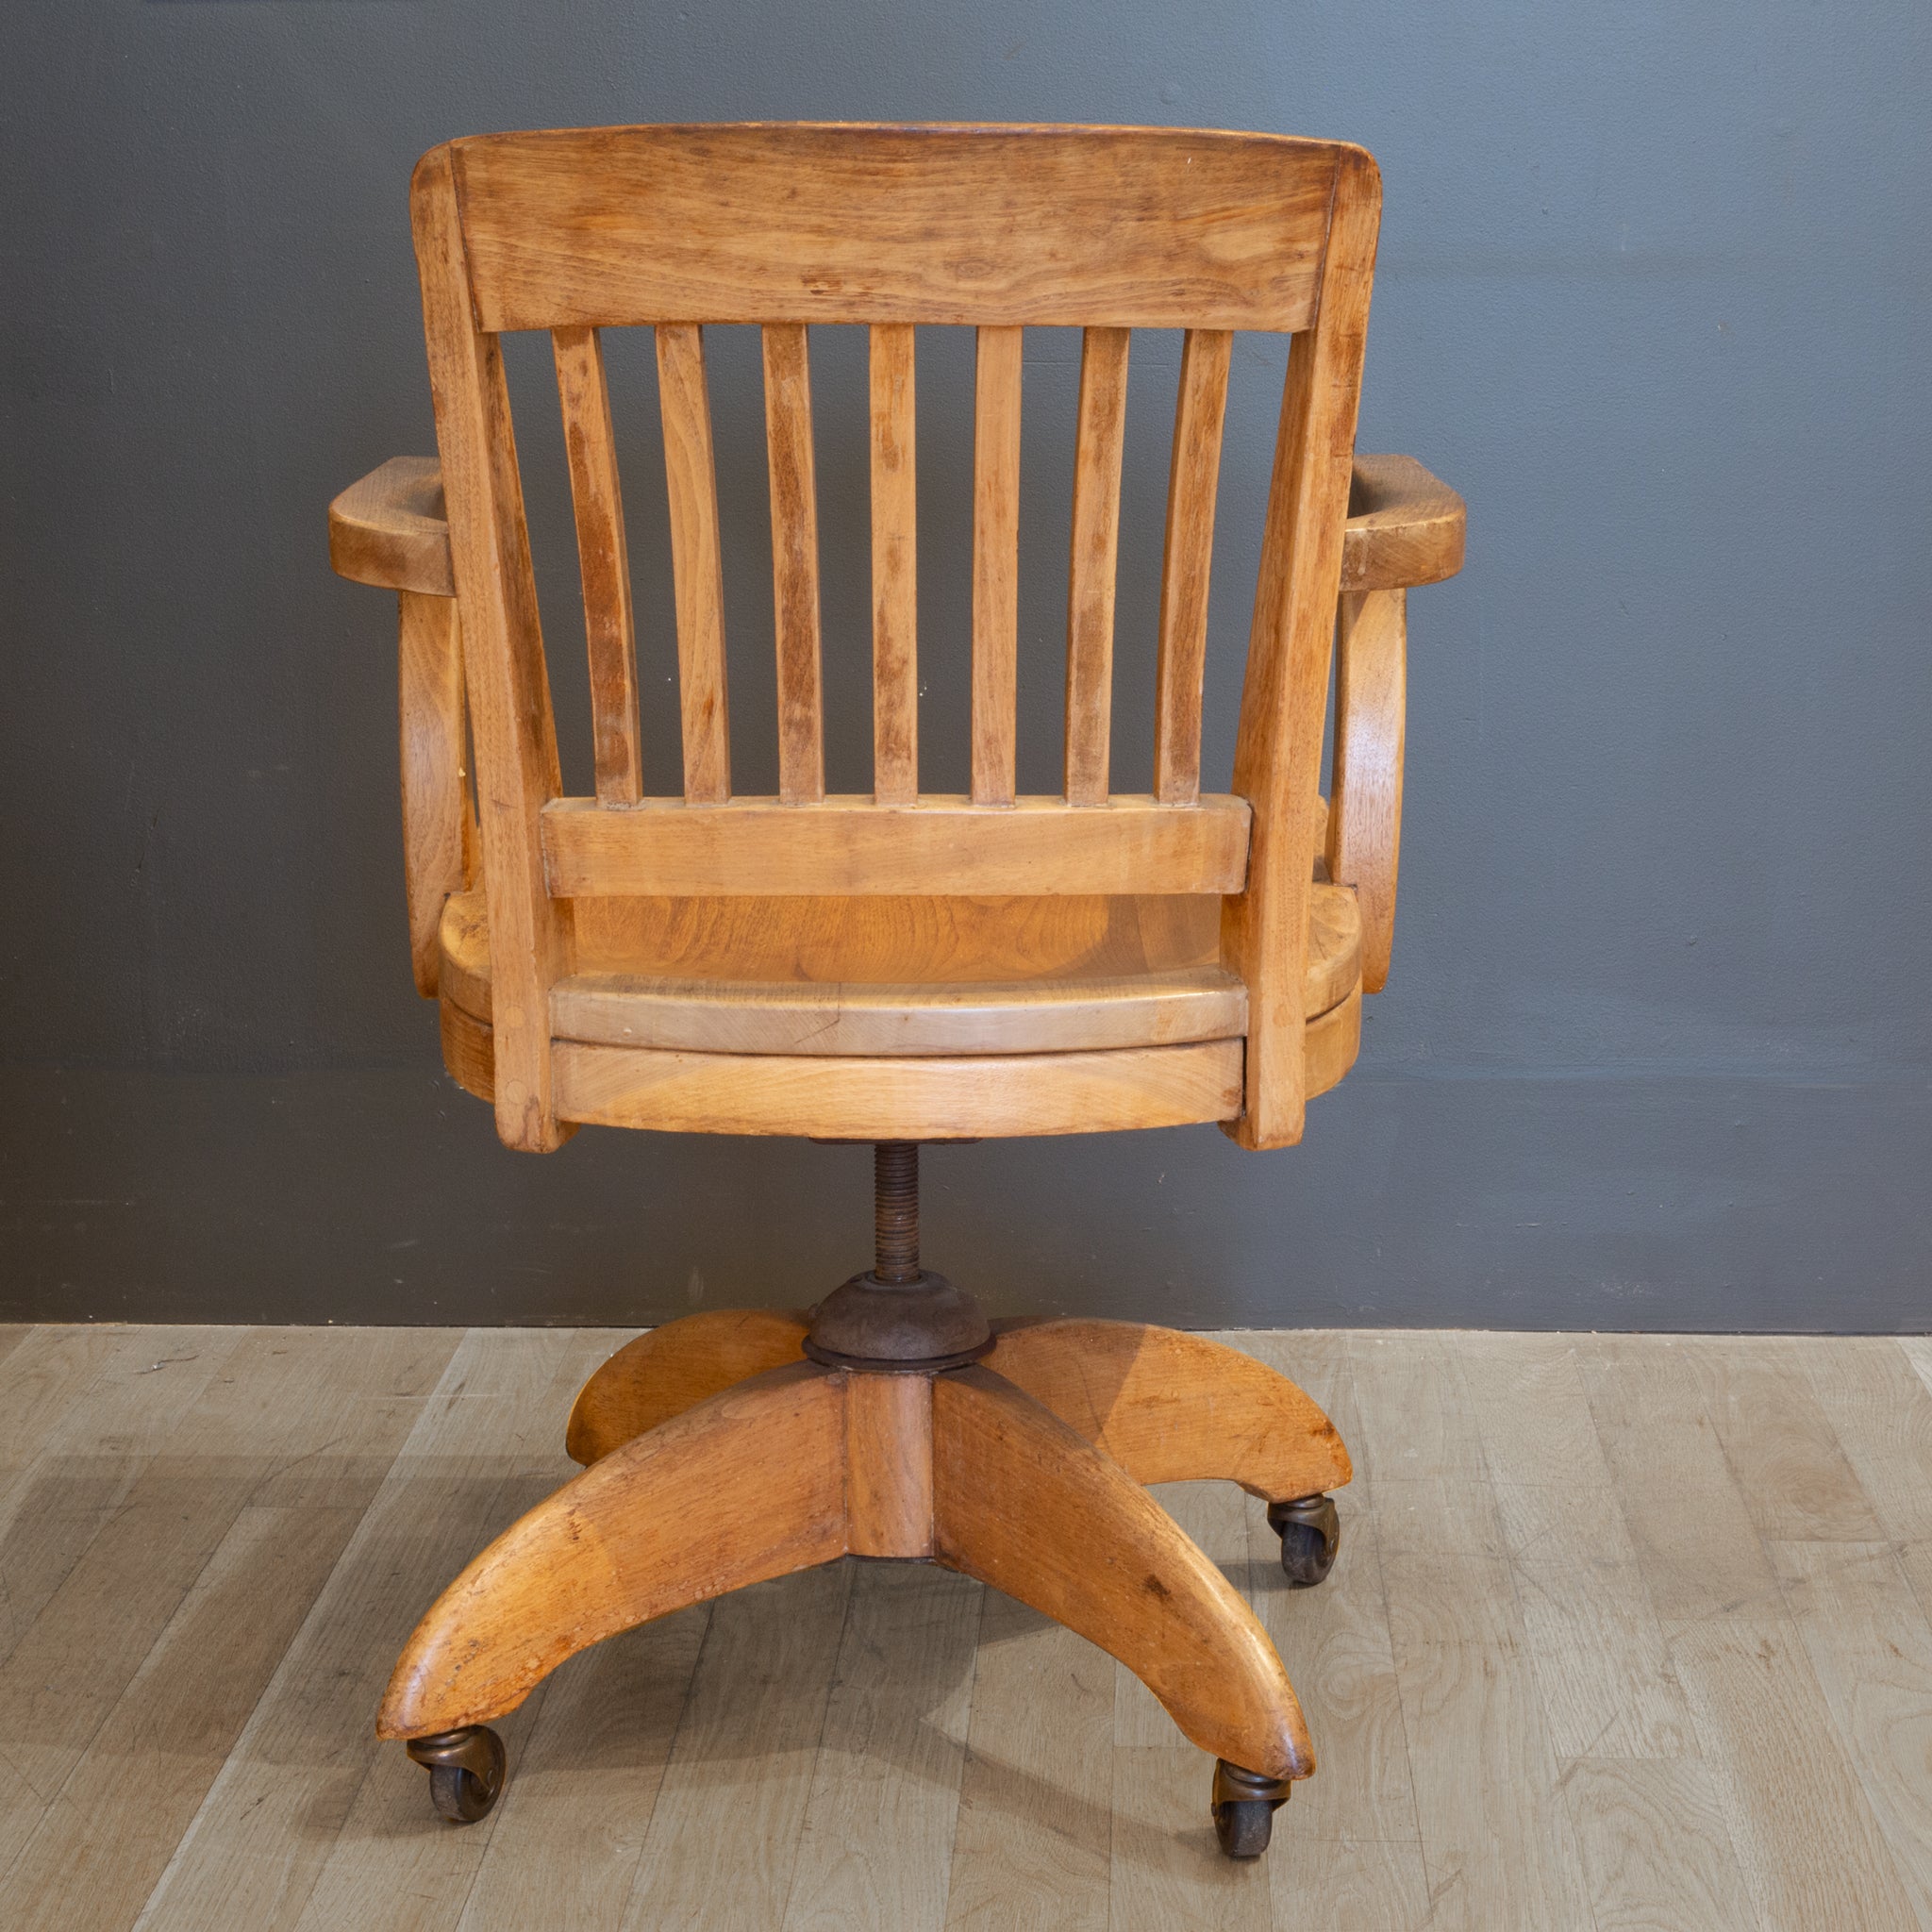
x=1652 y=294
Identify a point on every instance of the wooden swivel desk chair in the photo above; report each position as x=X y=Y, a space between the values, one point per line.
x=901 y=966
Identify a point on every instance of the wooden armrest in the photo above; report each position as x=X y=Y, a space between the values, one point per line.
x=389 y=529
x=1405 y=526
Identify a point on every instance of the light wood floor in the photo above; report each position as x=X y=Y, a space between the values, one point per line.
x=1625 y=1633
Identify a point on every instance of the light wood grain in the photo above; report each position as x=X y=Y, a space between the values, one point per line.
x=889 y=1497
x=1792 y=1472
x=747 y=1750
x=668 y=1369
x=1194 y=476
x=895 y=568
x=1284 y=690
x=1811 y=1849
x=1656 y=1849
x=568 y=1843
x=389 y=528
x=746 y=1486
x=609 y=628
x=510 y=722
x=1174 y=1408
x=1364 y=828
x=1032 y=943
x=943 y=844
x=1031 y=1845
x=1870 y=1645
x=697 y=561
x=828 y=1709
x=997 y=390
x=794 y=563
x=1132 y=228
x=1099 y=447
x=436 y=787
x=1012 y=1484
x=862 y=1098
x=847 y=845
x=1405 y=526
x=876 y=1846
x=918 y=1017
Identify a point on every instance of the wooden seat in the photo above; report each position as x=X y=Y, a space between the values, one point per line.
x=899 y=966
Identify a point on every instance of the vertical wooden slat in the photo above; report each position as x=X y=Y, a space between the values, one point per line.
x=1091 y=577
x=609 y=626
x=794 y=563
x=1192 y=478
x=511 y=721
x=1264 y=933
x=895 y=575
x=995 y=562
x=697 y=571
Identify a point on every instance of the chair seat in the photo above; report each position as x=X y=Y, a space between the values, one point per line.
x=900 y=1019
x=901 y=977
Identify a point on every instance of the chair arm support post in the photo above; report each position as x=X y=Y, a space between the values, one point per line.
x=1365 y=806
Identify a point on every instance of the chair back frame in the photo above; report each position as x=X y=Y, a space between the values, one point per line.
x=996 y=229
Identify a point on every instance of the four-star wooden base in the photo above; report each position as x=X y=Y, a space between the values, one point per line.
x=721 y=1453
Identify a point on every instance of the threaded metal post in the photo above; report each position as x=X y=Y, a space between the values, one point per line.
x=895 y=1210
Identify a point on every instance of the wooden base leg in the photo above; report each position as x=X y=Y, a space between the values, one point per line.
x=748 y=1485
x=674 y=1368
x=1174 y=1408
x=1023 y=1502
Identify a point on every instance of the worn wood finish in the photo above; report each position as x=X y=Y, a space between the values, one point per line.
x=867 y=1098
x=748 y=1485
x=435 y=786
x=1130 y=228
x=668 y=1369
x=916 y=1017
x=1174 y=1408
x=1284 y=691
x=1099 y=446
x=1364 y=829
x=389 y=528
x=511 y=721
x=697 y=561
x=895 y=568
x=850 y=846
x=862 y=1098
x=888 y=1467
x=794 y=563
x=1010 y=949
x=1405 y=526
x=1193 y=478
x=996 y=389
x=1015 y=1488
x=609 y=628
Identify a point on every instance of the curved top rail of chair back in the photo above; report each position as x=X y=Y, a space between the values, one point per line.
x=999 y=229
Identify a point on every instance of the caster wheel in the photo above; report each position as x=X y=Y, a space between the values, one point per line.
x=466 y=1771
x=1244 y=1827
x=1310 y=1534
x=1243 y=1807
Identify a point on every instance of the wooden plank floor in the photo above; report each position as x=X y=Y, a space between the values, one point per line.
x=1627 y=1633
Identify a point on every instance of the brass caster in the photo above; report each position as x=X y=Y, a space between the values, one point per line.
x=1310 y=1534
x=1245 y=1804
x=466 y=1771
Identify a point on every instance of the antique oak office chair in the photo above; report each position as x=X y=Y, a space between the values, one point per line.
x=899 y=966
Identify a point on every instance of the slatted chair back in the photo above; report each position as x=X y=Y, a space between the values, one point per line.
x=993 y=228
